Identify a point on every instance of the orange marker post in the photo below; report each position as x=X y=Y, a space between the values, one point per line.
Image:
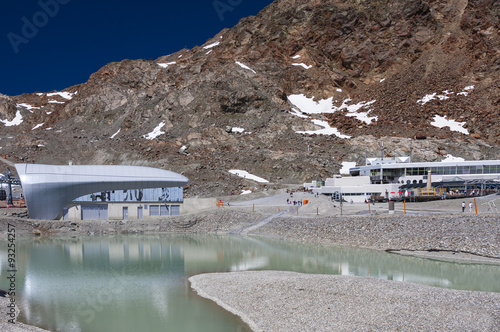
x=475 y=204
x=253 y=207
x=369 y=209
x=404 y=204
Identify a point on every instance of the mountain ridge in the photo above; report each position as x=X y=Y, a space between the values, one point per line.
x=385 y=71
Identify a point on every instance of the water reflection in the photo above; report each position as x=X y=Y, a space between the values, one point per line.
x=130 y=283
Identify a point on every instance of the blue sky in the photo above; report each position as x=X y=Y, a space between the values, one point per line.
x=50 y=45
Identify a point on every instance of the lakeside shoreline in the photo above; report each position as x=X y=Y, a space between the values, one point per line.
x=291 y=301
x=474 y=237
x=5 y=325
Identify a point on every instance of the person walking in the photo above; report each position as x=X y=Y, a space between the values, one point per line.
x=463 y=206
x=470 y=207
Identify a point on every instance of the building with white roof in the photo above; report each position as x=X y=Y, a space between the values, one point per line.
x=394 y=177
x=51 y=191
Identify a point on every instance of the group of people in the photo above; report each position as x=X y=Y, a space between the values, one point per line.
x=372 y=200
x=470 y=206
x=289 y=201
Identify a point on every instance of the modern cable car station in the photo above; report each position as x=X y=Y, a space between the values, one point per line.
x=99 y=191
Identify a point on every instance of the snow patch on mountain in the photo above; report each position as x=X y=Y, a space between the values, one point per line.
x=63 y=94
x=237 y=130
x=304 y=105
x=245 y=67
x=165 y=65
x=302 y=65
x=246 y=175
x=441 y=121
x=18 y=119
x=114 y=135
x=449 y=157
x=466 y=90
x=211 y=45
x=37 y=126
x=156 y=132
x=327 y=130
x=444 y=95
x=27 y=106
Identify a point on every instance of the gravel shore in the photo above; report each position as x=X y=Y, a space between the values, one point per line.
x=289 y=301
x=477 y=235
x=13 y=327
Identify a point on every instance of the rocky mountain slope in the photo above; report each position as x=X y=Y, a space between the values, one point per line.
x=287 y=95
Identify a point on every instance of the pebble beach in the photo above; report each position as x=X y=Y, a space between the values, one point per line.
x=289 y=301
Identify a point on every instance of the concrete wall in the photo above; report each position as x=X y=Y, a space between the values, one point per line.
x=115 y=210
x=196 y=204
x=347 y=181
x=361 y=192
x=74 y=213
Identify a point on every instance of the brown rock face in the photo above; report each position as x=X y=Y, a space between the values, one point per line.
x=416 y=62
x=7 y=108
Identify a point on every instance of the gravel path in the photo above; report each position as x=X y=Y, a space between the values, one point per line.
x=289 y=301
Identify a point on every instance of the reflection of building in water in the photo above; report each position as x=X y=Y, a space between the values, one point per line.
x=60 y=276
x=251 y=263
x=100 y=278
x=129 y=252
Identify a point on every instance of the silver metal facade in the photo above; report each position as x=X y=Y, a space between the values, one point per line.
x=171 y=194
x=48 y=188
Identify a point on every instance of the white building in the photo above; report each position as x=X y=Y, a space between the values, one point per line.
x=400 y=170
x=384 y=177
x=352 y=188
x=82 y=191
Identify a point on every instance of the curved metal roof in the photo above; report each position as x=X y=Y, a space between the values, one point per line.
x=48 y=188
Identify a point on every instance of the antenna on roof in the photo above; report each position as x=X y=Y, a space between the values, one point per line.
x=411 y=149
